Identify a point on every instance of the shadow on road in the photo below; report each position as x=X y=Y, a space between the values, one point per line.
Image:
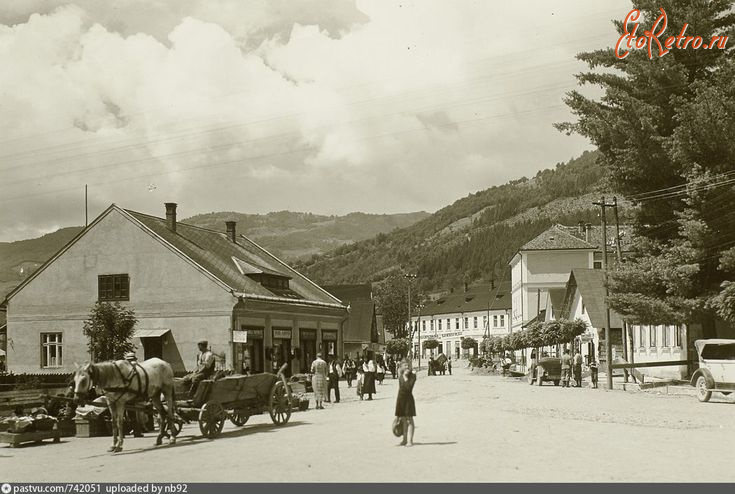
x=183 y=441
x=444 y=443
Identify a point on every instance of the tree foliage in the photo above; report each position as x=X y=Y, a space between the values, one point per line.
x=665 y=128
x=398 y=347
x=537 y=335
x=110 y=329
x=391 y=297
x=430 y=344
x=468 y=343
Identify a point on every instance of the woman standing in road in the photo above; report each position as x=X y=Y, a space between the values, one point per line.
x=368 y=386
x=405 y=404
x=319 y=380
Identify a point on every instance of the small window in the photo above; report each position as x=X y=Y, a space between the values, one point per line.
x=641 y=336
x=475 y=322
x=502 y=320
x=51 y=350
x=484 y=321
x=652 y=336
x=440 y=324
x=113 y=287
x=423 y=325
x=456 y=323
x=677 y=336
x=466 y=323
x=665 y=336
x=495 y=321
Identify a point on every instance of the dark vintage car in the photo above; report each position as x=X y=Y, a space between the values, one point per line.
x=546 y=369
x=716 y=371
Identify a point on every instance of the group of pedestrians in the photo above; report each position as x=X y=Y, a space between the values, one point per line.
x=365 y=372
x=572 y=367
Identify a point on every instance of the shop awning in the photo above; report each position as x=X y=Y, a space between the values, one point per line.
x=150 y=333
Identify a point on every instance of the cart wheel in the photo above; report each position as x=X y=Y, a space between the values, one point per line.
x=211 y=419
x=278 y=404
x=239 y=417
x=530 y=378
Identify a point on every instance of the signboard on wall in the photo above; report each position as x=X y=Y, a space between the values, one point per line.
x=329 y=335
x=308 y=334
x=254 y=332
x=239 y=336
x=281 y=334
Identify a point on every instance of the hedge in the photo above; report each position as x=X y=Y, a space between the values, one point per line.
x=537 y=334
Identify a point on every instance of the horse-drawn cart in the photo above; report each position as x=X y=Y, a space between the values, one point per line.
x=236 y=398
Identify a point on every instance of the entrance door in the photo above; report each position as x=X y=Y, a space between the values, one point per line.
x=282 y=355
x=308 y=352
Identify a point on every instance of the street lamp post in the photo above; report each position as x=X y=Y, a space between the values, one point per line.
x=409 y=277
x=418 y=323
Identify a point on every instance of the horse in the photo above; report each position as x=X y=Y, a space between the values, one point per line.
x=123 y=381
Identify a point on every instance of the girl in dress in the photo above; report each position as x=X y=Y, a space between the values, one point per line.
x=405 y=404
x=368 y=385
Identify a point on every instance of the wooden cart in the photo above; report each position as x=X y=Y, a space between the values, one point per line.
x=236 y=398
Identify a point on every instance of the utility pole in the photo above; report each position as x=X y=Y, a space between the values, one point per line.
x=86 y=209
x=419 y=306
x=608 y=343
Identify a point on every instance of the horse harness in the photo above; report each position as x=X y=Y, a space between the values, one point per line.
x=134 y=375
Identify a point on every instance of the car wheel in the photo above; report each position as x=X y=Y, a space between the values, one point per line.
x=556 y=382
x=702 y=394
x=540 y=376
x=530 y=378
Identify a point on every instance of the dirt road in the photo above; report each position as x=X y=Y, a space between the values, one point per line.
x=469 y=428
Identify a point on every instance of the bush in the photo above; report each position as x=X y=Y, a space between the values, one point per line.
x=468 y=343
x=110 y=329
x=430 y=344
x=400 y=346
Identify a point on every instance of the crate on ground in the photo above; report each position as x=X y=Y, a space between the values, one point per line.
x=92 y=427
x=15 y=439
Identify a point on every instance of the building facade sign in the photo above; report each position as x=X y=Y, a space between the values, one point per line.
x=329 y=335
x=281 y=334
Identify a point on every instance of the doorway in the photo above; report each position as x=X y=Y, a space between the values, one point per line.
x=152 y=347
x=307 y=341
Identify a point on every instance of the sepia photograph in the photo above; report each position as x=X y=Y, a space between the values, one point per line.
x=338 y=243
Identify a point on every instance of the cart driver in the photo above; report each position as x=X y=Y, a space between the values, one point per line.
x=204 y=369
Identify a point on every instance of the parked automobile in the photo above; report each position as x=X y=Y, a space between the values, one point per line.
x=716 y=371
x=546 y=369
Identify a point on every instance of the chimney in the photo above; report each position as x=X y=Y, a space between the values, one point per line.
x=581 y=227
x=465 y=286
x=231 y=232
x=587 y=231
x=171 y=215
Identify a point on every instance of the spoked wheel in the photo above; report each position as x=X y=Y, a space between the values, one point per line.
x=702 y=393
x=212 y=419
x=239 y=417
x=279 y=405
x=530 y=378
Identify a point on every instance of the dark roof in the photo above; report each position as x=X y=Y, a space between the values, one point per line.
x=476 y=298
x=3 y=319
x=231 y=262
x=361 y=324
x=561 y=237
x=590 y=283
x=349 y=293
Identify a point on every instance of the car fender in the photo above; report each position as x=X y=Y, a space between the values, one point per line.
x=707 y=375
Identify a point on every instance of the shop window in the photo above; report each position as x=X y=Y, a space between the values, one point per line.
x=113 y=287
x=51 y=350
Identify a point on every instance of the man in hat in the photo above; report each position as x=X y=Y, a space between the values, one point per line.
x=204 y=369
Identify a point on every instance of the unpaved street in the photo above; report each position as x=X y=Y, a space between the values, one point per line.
x=469 y=428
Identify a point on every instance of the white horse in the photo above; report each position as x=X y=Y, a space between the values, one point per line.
x=122 y=382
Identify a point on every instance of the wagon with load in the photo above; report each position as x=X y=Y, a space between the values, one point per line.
x=235 y=398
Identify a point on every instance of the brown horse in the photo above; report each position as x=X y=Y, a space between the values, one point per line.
x=122 y=382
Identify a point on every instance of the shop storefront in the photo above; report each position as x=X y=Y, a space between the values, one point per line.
x=329 y=343
x=281 y=353
x=249 y=354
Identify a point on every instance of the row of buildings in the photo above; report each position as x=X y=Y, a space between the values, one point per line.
x=558 y=275
x=185 y=284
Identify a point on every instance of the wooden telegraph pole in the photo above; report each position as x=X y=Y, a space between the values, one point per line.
x=608 y=343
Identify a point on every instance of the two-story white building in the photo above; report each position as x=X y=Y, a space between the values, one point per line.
x=476 y=312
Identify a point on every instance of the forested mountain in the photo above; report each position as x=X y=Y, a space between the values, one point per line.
x=474 y=238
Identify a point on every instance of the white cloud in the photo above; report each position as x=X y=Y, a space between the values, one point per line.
x=318 y=105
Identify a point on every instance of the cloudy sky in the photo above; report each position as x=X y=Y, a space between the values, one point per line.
x=327 y=106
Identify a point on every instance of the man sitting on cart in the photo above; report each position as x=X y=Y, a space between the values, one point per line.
x=204 y=369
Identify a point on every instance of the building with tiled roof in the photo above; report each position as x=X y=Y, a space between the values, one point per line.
x=360 y=333
x=540 y=269
x=185 y=284
x=475 y=312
